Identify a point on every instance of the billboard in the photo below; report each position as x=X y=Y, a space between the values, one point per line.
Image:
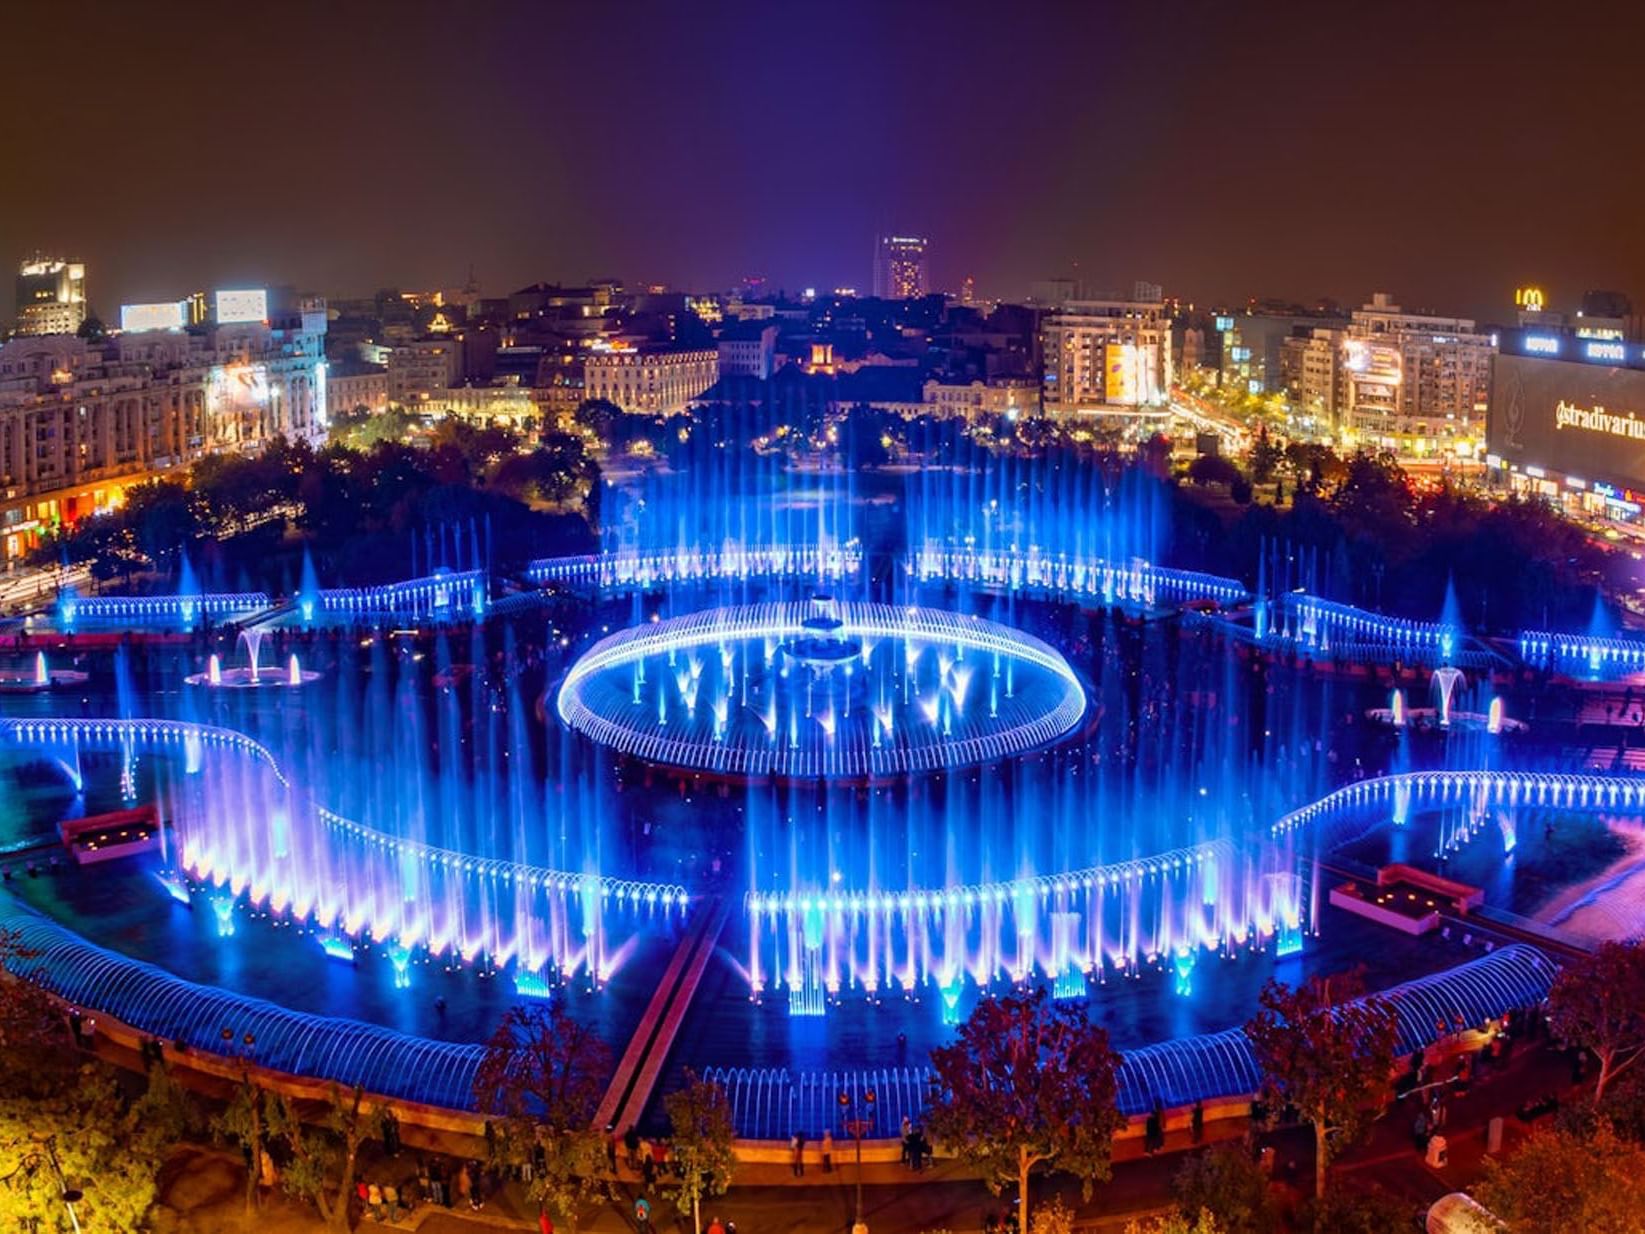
x=237 y=390
x=238 y=306
x=1119 y=376
x=1582 y=420
x=170 y=316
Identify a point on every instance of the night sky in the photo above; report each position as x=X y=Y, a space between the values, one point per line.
x=1443 y=152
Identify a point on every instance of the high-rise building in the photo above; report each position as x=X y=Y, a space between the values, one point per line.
x=1106 y=356
x=1415 y=383
x=51 y=296
x=1312 y=370
x=899 y=268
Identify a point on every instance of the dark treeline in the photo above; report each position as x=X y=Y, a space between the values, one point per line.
x=366 y=515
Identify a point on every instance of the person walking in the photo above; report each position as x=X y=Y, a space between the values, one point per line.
x=828 y=1150
x=796 y=1144
x=631 y=1143
x=465 y=1186
x=1196 y=1122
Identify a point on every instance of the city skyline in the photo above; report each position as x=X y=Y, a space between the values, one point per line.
x=536 y=146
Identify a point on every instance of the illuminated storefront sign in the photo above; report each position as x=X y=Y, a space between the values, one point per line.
x=1542 y=344
x=241 y=306
x=1529 y=299
x=1597 y=420
x=1614 y=352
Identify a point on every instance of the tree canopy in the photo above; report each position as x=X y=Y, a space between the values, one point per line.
x=542 y=1077
x=1326 y=1055
x=1028 y=1082
x=1558 y=1181
x=700 y=1139
x=1598 y=1003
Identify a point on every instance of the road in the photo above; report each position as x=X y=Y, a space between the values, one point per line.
x=33 y=588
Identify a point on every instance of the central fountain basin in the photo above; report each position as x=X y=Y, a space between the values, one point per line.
x=821 y=688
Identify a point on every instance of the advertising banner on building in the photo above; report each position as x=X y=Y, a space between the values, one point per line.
x=1581 y=420
x=241 y=306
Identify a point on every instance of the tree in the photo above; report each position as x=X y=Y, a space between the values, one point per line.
x=700 y=1136
x=542 y=1075
x=1028 y=1082
x=1327 y=1056
x=1265 y=457
x=37 y=1056
x=1054 y=1217
x=164 y=1115
x=1228 y=1182
x=77 y=1139
x=1362 y=1210
x=599 y=417
x=1558 y=1181
x=244 y=1122
x=1204 y=1222
x=1213 y=469
x=318 y=1154
x=1598 y=1003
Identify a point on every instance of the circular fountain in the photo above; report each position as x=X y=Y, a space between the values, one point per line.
x=253 y=675
x=822 y=688
x=1445 y=715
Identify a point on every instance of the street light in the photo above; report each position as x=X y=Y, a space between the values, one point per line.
x=858 y=1128
x=71 y=1195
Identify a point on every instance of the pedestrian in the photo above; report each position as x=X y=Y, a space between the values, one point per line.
x=631 y=1142
x=267 y=1175
x=796 y=1144
x=391 y=1200
x=391 y=1132
x=1419 y=1130
x=716 y=1226
x=828 y=1150
x=648 y=1165
x=374 y=1201
x=465 y=1186
x=545 y=1224
x=1196 y=1121
x=1153 y=1132
x=611 y=1148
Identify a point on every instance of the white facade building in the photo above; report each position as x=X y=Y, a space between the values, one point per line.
x=1106 y=356
x=656 y=382
x=79 y=422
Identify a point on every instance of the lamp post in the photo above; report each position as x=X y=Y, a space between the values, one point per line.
x=858 y=1127
x=71 y=1195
